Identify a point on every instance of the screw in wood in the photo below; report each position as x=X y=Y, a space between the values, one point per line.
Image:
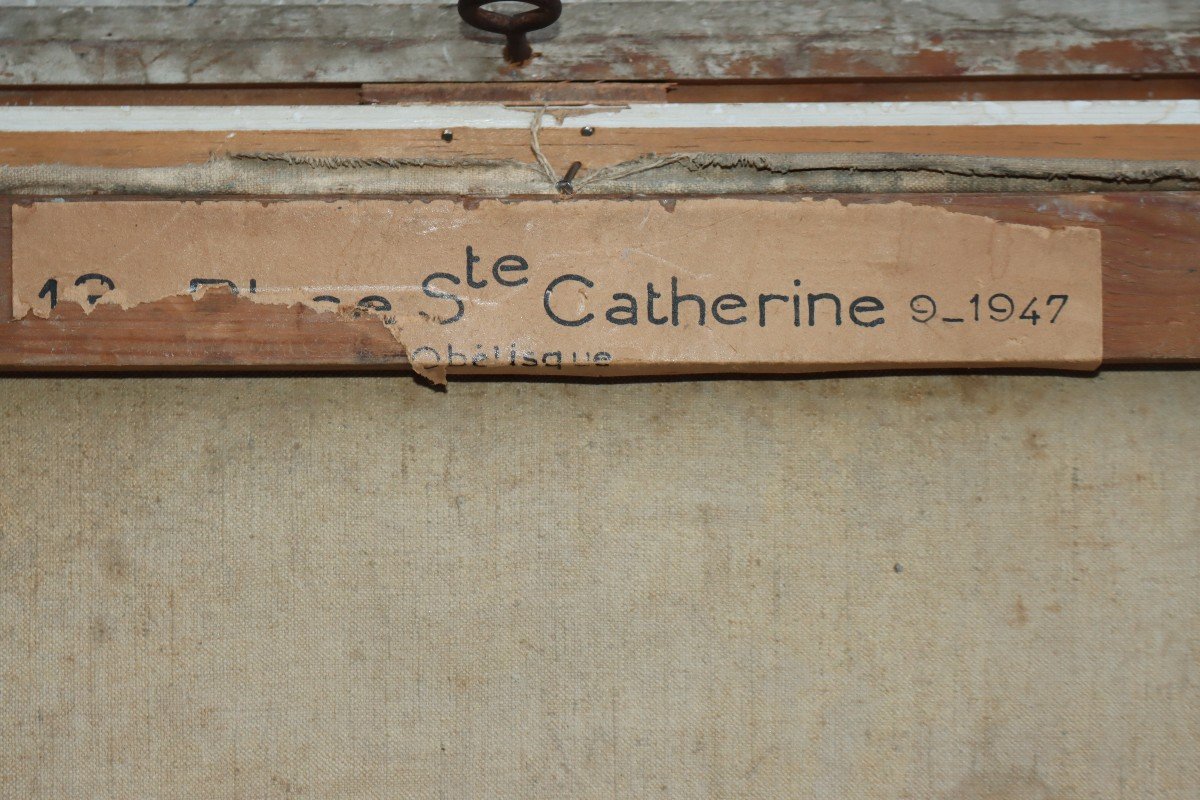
x=567 y=185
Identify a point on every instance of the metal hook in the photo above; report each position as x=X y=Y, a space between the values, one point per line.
x=513 y=27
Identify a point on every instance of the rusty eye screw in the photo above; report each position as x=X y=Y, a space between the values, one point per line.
x=514 y=27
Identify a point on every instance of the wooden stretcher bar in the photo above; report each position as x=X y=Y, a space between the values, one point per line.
x=74 y=43
x=163 y=136
x=1151 y=240
x=524 y=92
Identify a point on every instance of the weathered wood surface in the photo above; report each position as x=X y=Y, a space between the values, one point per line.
x=1093 y=87
x=1151 y=263
x=606 y=145
x=745 y=40
x=1126 y=87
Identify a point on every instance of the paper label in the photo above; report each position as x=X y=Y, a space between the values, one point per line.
x=601 y=287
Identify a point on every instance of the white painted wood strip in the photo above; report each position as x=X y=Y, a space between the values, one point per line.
x=683 y=115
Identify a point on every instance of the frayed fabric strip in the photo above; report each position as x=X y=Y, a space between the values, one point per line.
x=678 y=174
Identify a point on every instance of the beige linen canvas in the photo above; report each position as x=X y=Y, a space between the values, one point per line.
x=892 y=587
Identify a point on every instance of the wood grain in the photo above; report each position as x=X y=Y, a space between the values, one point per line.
x=1086 y=87
x=607 y=146
x=948 y=88
x=142 y=45
x=1151 y=264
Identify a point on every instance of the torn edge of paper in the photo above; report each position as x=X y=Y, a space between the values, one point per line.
x=706 y=255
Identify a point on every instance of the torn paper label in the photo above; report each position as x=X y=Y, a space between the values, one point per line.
x=602 y=287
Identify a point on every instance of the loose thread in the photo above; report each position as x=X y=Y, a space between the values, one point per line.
x=626 y=168
x=536 y=146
